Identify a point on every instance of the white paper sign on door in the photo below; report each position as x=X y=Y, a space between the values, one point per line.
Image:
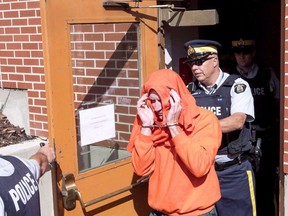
x=97 y=124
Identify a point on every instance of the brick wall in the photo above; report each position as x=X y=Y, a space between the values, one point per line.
x=21 y=57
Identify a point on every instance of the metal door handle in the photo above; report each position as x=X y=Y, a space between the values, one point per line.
x=70 y=192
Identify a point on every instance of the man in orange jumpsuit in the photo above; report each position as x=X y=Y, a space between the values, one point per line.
x=175 y=142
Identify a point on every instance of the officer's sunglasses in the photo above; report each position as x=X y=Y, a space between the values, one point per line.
x=198 y=62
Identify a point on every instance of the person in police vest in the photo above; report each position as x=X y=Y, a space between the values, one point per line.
x=19 y=194
x=265 y=89
x=230 y=98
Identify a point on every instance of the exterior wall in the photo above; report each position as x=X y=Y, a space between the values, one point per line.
x=21 y=58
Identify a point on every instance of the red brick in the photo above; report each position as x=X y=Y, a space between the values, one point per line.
x=105 y=46
x=127 y=119
x=5 y=68
x=34 y=109
x=27 y=13
x=85 y=63
x=4 y=38
x=11 y=14
x=32 y=78
x=38 y=70
x=35 y=124
x=4 y=6
x=285 y=168
x=18 y=5
x=16 y=47
x=7 y=84
x=116 y=73
x=21 y=38
x=128 y=82
x=104 y=27
x=41 y=133
x=37 y=38
x=32 y=93
x=94 y=72
x=31 y=46
x=82 y=28
x=16 y=77
x=105 y=63
x=28 y=30
x=40 y=102
x=94 y=54
x=114 y=36
x=116 y=55
x=4 y=23
x=15 y=61
x=34 y=21
x=41 y=118
x=127 y=64
x=22 y=53
x=12 y=30
x=39 y=86
x=25 y=85
x=4 y=53
x=34 y=4
x=43 y=95
x=93 y=37
x=31 y=61
x=87 y=81
x=126 y=27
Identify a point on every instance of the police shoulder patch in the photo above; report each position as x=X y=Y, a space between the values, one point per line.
x=239 y=88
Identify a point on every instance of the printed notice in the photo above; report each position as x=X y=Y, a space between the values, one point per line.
x=97 y=124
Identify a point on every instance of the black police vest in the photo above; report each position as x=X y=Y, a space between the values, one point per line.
x=233 y=143
x=19 y=191
x=264 y=104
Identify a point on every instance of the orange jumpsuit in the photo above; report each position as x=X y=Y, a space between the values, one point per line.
x=182 y=180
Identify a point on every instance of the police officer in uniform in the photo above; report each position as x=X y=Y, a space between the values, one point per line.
x=230 y=98
x=265 y=89
x=19 y=193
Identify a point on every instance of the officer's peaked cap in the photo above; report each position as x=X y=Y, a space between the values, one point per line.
x=197 y=49
x=243 y=45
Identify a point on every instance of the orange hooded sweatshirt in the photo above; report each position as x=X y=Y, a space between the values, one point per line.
x=182 y=180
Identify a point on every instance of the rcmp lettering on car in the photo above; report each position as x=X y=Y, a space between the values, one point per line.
x=23 y=190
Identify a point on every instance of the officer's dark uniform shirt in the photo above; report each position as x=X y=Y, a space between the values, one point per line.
x=19 y=195
x=225 y=101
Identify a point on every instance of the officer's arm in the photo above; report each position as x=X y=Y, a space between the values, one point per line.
x=233 y=122
x=44 y=156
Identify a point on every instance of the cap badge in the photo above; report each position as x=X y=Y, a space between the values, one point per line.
x=190 y=50
x=241 y=42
